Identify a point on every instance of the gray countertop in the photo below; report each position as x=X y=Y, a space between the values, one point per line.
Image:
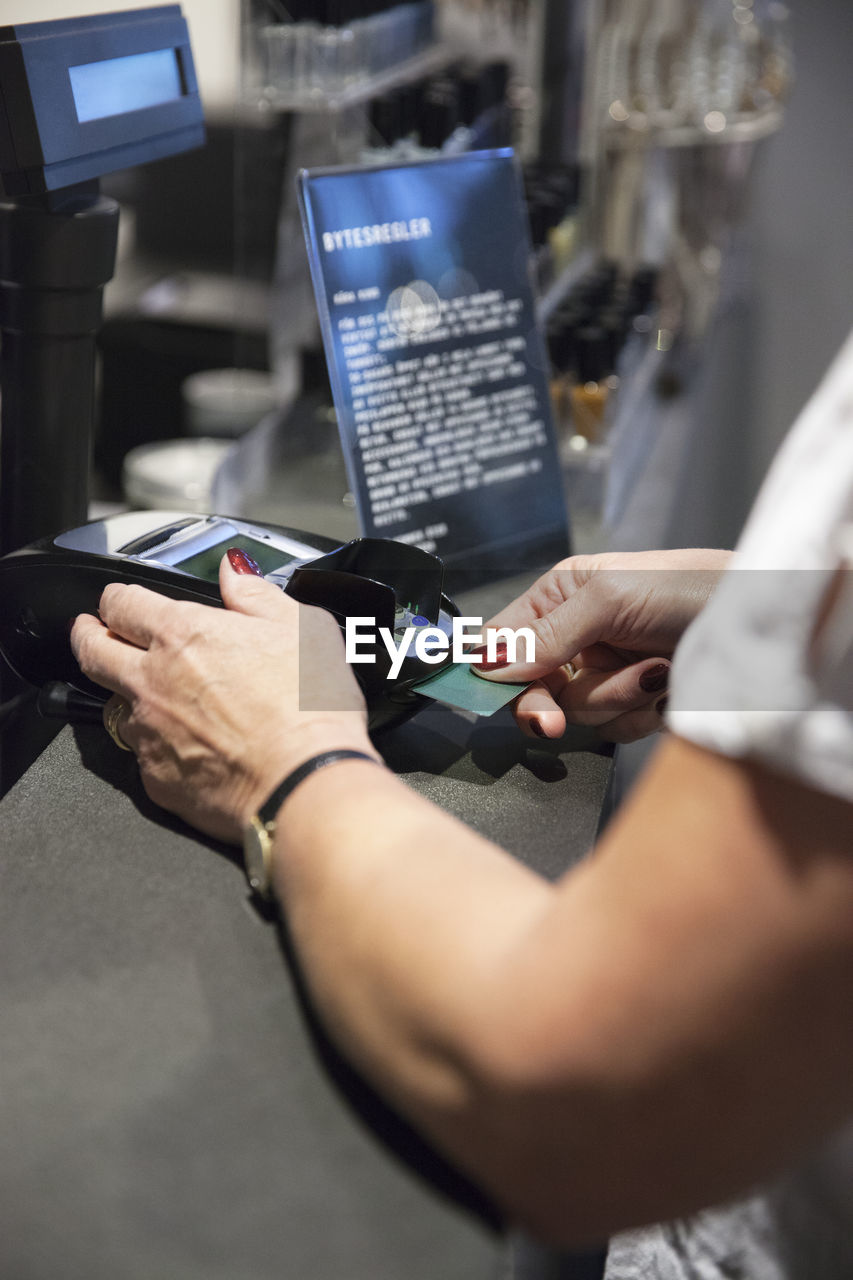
x=167 y=1106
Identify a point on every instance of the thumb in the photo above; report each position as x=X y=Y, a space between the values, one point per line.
x=554 y=638
x=243 y=588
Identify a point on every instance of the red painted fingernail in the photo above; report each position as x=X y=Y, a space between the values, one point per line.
x=537 y=729
x=654 y=678
x=500 y=660
x=240 y=562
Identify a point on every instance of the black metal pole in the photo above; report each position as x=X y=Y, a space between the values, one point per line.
x=56 y=255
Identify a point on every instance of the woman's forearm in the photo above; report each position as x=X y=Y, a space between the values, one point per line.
x=403 y=918
x=571 y=1046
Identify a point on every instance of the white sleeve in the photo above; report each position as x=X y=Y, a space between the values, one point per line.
x=766 y=671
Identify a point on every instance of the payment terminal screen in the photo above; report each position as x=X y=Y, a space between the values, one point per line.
x=117 y=85
x=205 y=564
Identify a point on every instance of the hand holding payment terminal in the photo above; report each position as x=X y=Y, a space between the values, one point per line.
x=44 y=585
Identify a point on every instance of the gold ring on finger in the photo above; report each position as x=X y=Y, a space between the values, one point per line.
x=114 y=713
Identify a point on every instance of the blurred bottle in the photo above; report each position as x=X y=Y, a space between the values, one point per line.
x=561 y=342
x=551 y=193
x=322 y=47
x=589 y=392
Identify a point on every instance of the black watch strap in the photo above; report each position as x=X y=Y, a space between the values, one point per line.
x=259 y=834
x=271 y=806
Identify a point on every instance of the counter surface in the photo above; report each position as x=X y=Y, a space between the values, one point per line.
x=167 y=1108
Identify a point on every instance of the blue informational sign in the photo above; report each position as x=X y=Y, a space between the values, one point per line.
x=438 y=369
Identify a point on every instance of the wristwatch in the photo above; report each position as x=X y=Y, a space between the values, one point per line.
x=259 y=834
x=258 y=838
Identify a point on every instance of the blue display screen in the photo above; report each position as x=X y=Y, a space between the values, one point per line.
x=119 y=85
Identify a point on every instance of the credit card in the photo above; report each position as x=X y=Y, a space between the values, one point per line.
x=459 y=687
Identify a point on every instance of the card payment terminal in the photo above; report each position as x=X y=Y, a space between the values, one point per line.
x=44 y=585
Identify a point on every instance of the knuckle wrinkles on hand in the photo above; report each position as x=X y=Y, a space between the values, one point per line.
x=178 y=631
x=85 y=655
x=129 y=596
x=624 y=697
x=547 y=631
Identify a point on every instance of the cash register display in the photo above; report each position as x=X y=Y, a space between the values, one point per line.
x=205 y=564
x=114 y=86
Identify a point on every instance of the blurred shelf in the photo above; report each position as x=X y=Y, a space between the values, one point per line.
x=623 y=136
x=421 y=65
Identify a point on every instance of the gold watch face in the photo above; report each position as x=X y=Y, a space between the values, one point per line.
x=257 y=847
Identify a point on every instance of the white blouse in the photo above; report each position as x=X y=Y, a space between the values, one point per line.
x=766 y=670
